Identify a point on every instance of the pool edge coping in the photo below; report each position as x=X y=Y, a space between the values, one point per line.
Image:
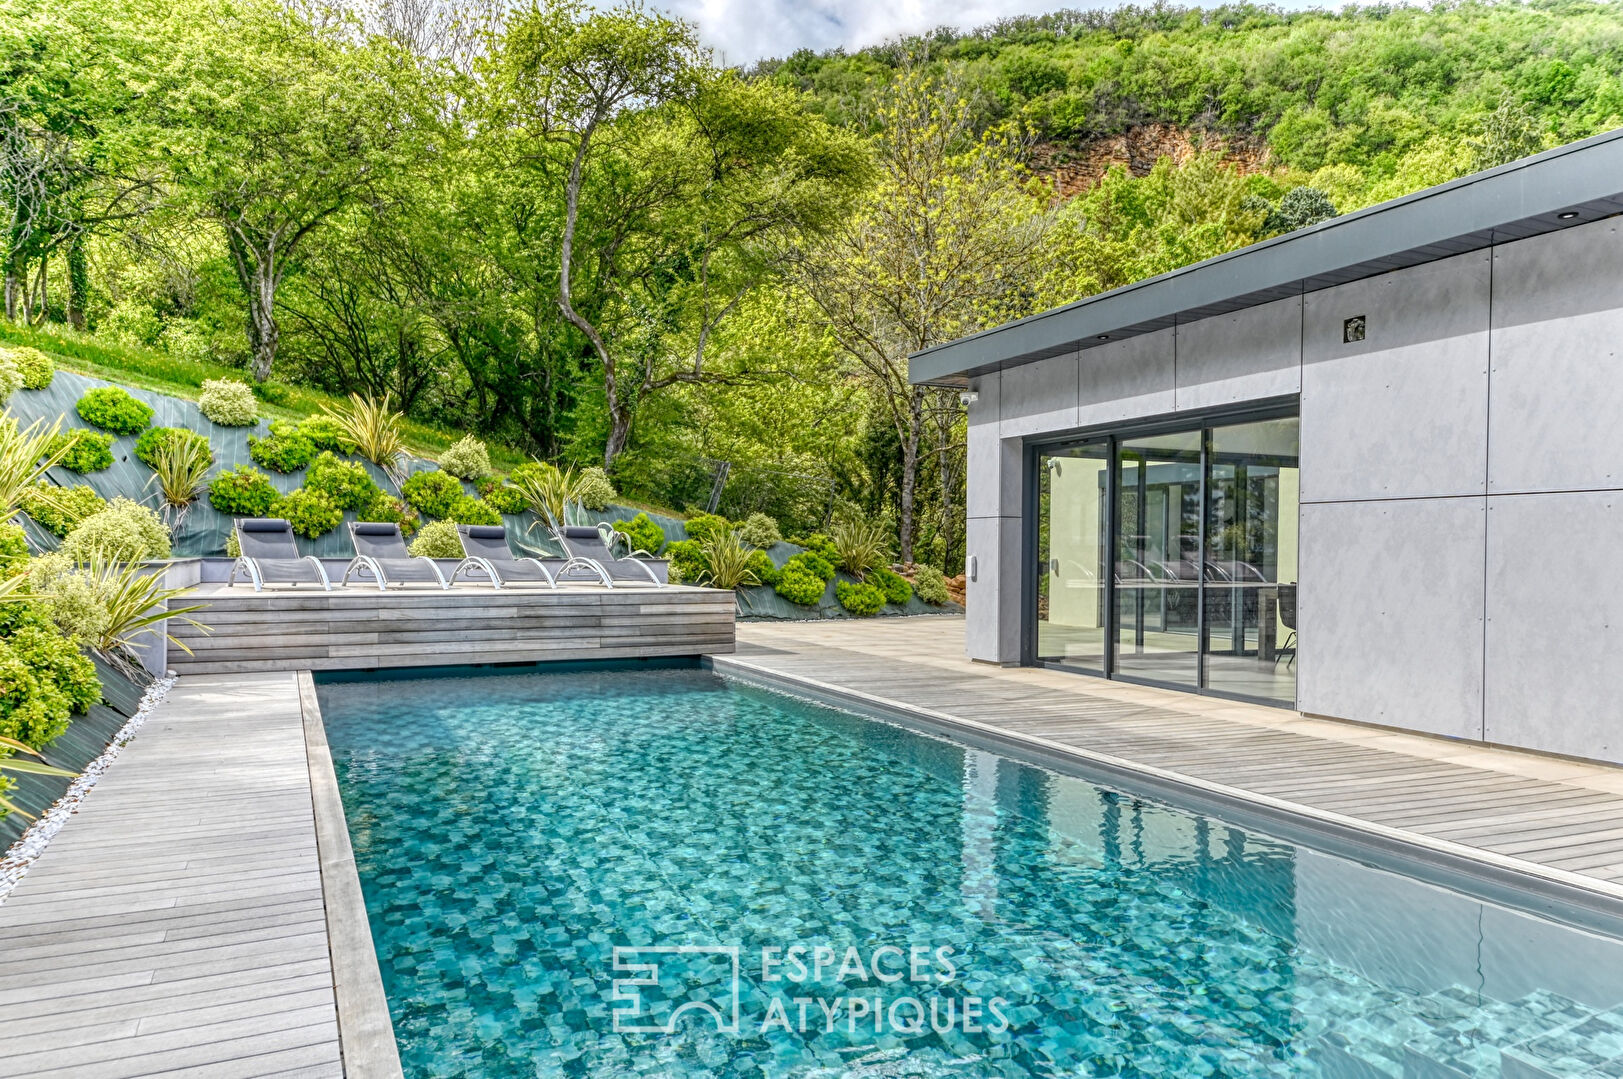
x=366 y=1038
x=1481 y=873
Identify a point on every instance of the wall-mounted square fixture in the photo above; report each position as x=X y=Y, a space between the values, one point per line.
x=1352 y=329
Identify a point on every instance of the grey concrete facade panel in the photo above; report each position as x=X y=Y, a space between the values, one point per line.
x=1039 y=397
x=1556 y=369
x=992 y=628
x=1245 y=356
x=1127 y=379
x=1390 y=613
x=993 y=466
x=1554 y=677
x=1404 y=413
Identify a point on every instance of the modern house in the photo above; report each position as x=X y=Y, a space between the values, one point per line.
x=1372 y=469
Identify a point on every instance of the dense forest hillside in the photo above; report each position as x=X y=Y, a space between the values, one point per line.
x=566 y=229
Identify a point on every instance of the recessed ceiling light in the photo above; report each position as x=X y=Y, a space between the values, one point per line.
x=1104 y=337
x=1568 y=216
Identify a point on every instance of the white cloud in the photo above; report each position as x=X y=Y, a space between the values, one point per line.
x=743 y=31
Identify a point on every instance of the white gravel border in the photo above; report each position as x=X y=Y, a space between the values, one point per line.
x=32 y=843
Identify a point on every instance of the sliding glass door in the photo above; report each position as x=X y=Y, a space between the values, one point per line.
x=1170 y=557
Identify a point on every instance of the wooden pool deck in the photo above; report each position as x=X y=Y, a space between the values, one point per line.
x=179 y=925
x=1516 y=812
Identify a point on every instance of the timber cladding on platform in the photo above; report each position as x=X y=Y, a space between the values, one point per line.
x=360 y=628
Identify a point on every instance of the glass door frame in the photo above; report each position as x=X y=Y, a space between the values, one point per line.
x=1114 y=435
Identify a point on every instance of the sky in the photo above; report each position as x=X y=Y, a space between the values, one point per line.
x=743 y=31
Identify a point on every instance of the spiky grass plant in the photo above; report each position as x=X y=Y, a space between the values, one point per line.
x=551 y=493
x=180 y=470
x=25 y=455
x=375 y=429
x=137 y=604
x=859 y=546
x=11 y=764
x=726 y=562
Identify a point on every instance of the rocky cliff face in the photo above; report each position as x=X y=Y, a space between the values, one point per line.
x=1075 y=169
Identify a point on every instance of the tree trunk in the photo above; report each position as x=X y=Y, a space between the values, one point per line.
x=78 y=284
x=910 y=469
x=256 y=273
x=619 y=432
x=11 y=293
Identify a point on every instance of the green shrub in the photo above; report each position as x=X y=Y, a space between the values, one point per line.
x=765 y=570
x=228 y=402
x=326 y=433
x=815 y=564
x=71 y=599
x=706 y=526
x=860 y=546
x=930 y=584
x=595 y=492
x=59 y=510
x=243 y=492
x=726 y=562
x=384 y=508
x=438 y=539
x=797 y=584
x=87 y=450
x=36 y=368
x=892 y=584
x=282 y=450
x=819 y=544
x=13 y=550
x=155 y=438
x=131 y=322
x=311 y=513
x=471 y=511
x=124 y=531
x=467 y=458
x=643 y=533
x=11 y=378
x=860 y=598
x=347 y=484
x=687 y=561
x=44 y=679
x=759 y=530
x=112 y=409
x=433 y=493
x=505 y=499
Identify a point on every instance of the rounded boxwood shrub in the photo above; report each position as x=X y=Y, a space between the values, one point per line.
x=87 y=450
x=243 y=492
x=930 y=584
x=346 y=484
x=283 y=450
x=505 y=499
x=13 y=550
x=11 y=378
x=438 y=539
x=797 y=584
x=595 y=491
x=759 y=530
x=892 y=584
x=766 y=571
x=325 y=433
x=311 y=513
x=154 y=439
x=860 y=598
x=706 y=526
x=386 y=509
x=467 y=458
x=812 y=563
x=59 y=510
x=471 y=511
x=433 y=493
x=36 y=368
x=44 y=679
x=644 y=534
x=124 y=531
x=687 y=561
x=112 y=409
x=229 y=402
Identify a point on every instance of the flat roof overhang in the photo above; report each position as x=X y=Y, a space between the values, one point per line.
x=1523 y=198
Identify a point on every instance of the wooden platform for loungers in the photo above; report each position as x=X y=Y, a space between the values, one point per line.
x=360 y=628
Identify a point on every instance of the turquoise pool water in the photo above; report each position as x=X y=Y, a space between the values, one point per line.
x=980 y=916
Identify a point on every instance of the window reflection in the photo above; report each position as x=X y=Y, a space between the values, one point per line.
x=1071 y=521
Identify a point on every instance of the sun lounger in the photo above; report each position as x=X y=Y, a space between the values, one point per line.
x=381 y=556
x=270 y=555
x=588 y=552
x=489 y=558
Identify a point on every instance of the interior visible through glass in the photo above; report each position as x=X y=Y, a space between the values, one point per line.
x=1158 y=557
x=1073 y=493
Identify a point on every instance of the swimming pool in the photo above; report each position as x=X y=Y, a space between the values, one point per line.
x=560 y=868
